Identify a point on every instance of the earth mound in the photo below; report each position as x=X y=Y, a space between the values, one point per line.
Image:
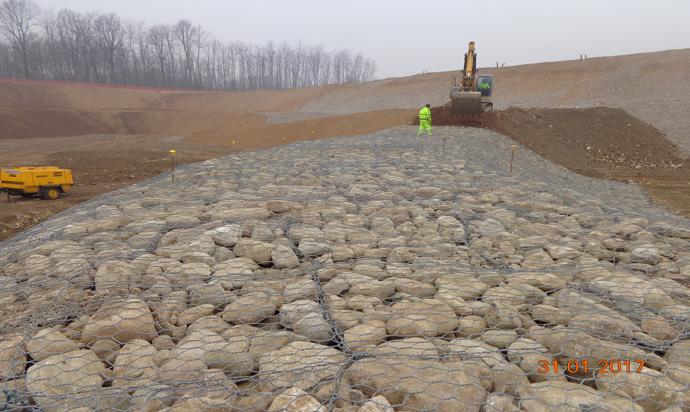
x=598 y=142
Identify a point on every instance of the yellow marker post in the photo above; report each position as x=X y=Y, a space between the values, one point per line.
x=513 y=148
x=172 y=153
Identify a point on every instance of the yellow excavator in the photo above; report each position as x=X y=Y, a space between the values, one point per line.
x=472 y=96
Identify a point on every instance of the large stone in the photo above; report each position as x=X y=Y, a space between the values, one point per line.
x=362 y=336
x=472 y=350
x=78 y=272
x=266 y=341
x=211 y=293
x=561 y=252
x=13 y=394
x=251 y=308
x=571 y=397
x=417 y=385
x=301 y=289
x=651 y=389
x=135 y=365
x=467 y=287
x=255 y=250
x=284 y=257
x=505 y=295
x=565 y=343
x=239 y=214
x=212 y=323
x=199 y=404
x=426 y=318
x=153 y=398
x=372 y=287
x=295 y=400
x=453 y=300
x=12 y=357
x=549 y=315
x=176 y=372
x=679 y=353
x=230 y=356
x=311 y=248
x=507 y=378
x=645 y=254
x=291 y=313
x=499 y=338
x=66 y=381
x=414 y=288
x=409 y=347
x=190 y=315
x=300 y=364
x=106 y=350
x=503 y=316
x=49 y=342
x=314 y=326
x=376 y=404
x=634 y=290
x=500 y=403
x=530 y=357
x=122 y=321
x=605 y=326
x=116 y=278
x=227 y=235
x=547 y=282
x=471 y=326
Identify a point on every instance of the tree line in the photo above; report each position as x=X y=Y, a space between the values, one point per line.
x=104 y=48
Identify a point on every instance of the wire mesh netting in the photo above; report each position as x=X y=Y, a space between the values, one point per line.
x=381 y=273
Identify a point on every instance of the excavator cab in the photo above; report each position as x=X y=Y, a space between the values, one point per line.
x=485 y=85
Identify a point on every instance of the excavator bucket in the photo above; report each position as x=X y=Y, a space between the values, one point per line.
x=466 y=103
x=465 y=108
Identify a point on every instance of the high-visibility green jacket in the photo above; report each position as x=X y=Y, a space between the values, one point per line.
x=425 y=113
x=484 y=86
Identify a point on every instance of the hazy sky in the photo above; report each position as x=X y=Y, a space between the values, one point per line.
x=407 y=37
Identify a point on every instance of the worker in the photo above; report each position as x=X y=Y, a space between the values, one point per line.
x=484 y=87
x=425 y=120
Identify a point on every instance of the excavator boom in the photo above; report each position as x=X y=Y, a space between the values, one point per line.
x=470 y=68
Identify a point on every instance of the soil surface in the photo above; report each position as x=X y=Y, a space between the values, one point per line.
x=602 y=143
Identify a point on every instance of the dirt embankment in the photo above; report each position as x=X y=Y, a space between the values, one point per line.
x=603 y=143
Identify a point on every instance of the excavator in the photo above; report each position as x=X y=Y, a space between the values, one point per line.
x=472 y=96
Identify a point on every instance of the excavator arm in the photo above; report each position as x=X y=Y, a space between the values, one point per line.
x=470 y=68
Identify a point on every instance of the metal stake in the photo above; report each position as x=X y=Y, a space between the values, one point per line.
x=173 y=153
x=512 y=156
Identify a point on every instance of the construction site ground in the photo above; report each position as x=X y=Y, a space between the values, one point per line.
x=113 y=137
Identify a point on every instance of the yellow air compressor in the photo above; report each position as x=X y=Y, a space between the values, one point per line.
x=47 y=182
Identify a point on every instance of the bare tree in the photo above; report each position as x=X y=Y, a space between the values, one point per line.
x=17 y=19
x=157 y=39
x=110 y=37
x=187 y=35
x=104 y=48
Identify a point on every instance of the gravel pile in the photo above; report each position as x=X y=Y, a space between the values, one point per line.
x=380 y=273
